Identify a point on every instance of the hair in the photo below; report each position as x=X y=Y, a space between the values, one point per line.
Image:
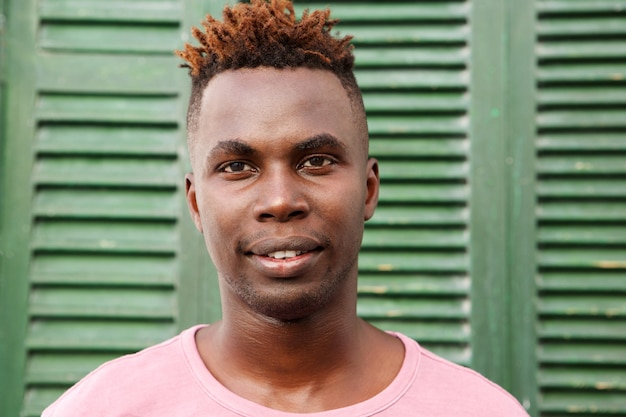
x=265 y=33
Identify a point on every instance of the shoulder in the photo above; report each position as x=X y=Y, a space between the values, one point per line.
x=463 y=391
x=124 y=380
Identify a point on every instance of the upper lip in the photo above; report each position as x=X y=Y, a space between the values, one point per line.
x=294 y=243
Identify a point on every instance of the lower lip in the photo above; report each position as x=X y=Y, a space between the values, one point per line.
x=284 y=268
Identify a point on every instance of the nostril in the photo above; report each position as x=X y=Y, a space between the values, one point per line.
x=297 y=213
x=292 y=215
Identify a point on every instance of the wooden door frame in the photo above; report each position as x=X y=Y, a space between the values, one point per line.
x=15 y=217
x=502 y=202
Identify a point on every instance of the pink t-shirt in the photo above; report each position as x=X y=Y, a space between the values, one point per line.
x=170 y=380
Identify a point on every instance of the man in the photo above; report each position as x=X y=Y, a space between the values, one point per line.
x=281 y=187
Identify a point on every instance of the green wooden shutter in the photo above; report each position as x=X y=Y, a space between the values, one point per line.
x=411 y=66
x=104 y=261
x=581 y=166
x=97 y=248
x=109 y=269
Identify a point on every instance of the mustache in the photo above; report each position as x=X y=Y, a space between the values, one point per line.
x=244 y=244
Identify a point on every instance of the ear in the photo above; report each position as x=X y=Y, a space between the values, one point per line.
x=192 y=202
x=373 y=185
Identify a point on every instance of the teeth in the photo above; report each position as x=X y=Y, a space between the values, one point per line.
x=283 y=254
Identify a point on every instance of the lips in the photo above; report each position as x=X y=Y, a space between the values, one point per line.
x=284 y=257
x=282 y=248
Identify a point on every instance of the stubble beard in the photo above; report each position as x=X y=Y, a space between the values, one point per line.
x=287 y=302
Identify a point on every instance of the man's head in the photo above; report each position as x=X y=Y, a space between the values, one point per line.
x=281 y=183
x=267 y=34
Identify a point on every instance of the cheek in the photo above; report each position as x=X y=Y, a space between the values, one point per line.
x=219 y=222
x=344 y=209
x=220 y=244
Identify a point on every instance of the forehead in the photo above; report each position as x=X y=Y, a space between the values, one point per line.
x=274 y=104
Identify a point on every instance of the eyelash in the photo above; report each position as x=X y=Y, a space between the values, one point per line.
x=247 y=167
x=326 y=161
x=226 y=166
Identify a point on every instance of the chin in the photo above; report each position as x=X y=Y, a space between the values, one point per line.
x=288 y=300
x=291 y=305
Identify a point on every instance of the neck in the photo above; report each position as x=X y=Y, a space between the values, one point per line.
x=329 y=359
x=290 y=351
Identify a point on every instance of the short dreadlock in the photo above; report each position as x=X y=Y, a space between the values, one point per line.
x=265 y=33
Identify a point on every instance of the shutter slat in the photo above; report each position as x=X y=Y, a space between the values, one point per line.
x=424 y=193
x=581 y=165
x=399 y=308
x=443 y=102
x=103 y=204
x=372 y=57
x=111 y=11
x=579 y=402
x=399 y=33
x=582 y=73
x=402 y=261
x=105 y=237
x=580 y=142
x=570 y=119
x=410 y=78
x=425 y=216
x=588 y=282
x=121 y=74
x=107 y=140
x=418 y=238
x=581 y=26
x=104 y=270
x=571 y=97
x=410 y=284
x=110 y=172
x=608 y=258
x=112 y=303
x=417 y=125
x=583 y=305
x=128 y=38
x=582 y=211
x=565 y=7
x=424 y=170
x=402 y=148
x=583 y=329
x=578 y=50
x=582 y=189
x=589 y=378
x=608 y=235
x=112 y=109
x=583 y=354
x=92 y=335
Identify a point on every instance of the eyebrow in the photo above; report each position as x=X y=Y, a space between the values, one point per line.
x=322 y=140
x=241 y=148
x=234 y=147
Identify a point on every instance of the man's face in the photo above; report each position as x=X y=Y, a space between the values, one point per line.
x=281 y=188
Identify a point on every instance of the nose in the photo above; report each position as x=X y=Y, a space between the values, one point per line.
x=280 y=197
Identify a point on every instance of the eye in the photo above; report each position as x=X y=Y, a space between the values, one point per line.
x=317 y=162
x=235 y=167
